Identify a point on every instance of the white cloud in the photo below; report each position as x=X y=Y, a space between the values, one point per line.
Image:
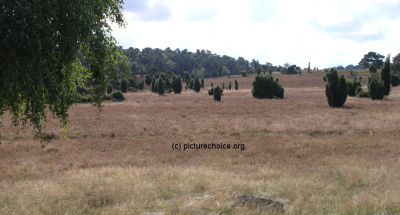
x=327 y=33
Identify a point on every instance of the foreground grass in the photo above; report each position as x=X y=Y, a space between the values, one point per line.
x=312 y=158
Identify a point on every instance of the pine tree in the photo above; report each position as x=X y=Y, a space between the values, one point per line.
x=202 y=83
x=236 y=85
x=229 y=86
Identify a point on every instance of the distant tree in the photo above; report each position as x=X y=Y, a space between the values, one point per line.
x=385 y=75
x=309 y=70
x=109 y=88
x=153 y=85
x=396 y=63
x=220 y=71
x=372 y=58
x=217 y=93
x=148 y=80
x=197 y=85
x=244 y=73
x=372 y=69
x=161 y=86
x=124 y=85
x=230 y=86
x=214 y=73
x=223 y=85
x=202 y=83
x=291 y=69
x=352 y=86
x=376 y=87
x=236 y=85
x=177 y=84
x=395 y=79
x=335 y=88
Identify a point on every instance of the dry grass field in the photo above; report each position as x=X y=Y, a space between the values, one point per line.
x=299 y=151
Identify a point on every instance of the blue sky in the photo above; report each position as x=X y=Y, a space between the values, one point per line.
x=326 y=33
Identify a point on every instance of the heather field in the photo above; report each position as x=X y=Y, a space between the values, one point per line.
x=312 y=158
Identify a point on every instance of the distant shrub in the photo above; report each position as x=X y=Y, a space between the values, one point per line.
x=230 y=86
x=191 y=84
x=360 y=93
x=264 y=86
x=202 y=83
x=211 y=91
x=132 y=83
x=153 y=85
x=395 y=80
x=244 y=73
x=148 y=80
x=132 y=89
x=212 y=85
x=376 y=87
x=335 y=88
x=109 y=88
x=140 y=86
x=352 y=86
x=124 y=86
x=223 y=85
x=177 y=84
x=118 y=96
x=236 y=85
x=217 y=93
x=161 y=86
x=197 y=85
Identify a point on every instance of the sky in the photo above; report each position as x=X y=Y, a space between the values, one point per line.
x=325 y=33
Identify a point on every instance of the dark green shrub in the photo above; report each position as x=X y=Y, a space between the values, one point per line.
x=124 y=86
x=132 y=89
x=244 y=73
x=153 y=85
x=360 y=93
x=229 y=86
x=236 y=85
x=376 y=87
x=177 y=84
x=217 y=93
x=140 y=86
x=395 y=80
x=211 y=91
x=335 y=88
x=197 y=85
x=385 y=75
x=191 y=84
x=148 y=80
x=161 y=86
x=109 y=88
x=202 y=83
x=212 y=85
x=118 y=96
x=352 y=86
x=132 y=83
x=264 y=86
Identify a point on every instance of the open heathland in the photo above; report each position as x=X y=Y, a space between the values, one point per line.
x=297 y=150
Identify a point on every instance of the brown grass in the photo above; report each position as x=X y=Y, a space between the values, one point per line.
x=312 y=158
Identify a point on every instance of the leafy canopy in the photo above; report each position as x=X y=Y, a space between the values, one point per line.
x=39 y=46
x=372 y=58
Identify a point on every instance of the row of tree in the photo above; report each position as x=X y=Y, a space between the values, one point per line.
x=337 y=88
